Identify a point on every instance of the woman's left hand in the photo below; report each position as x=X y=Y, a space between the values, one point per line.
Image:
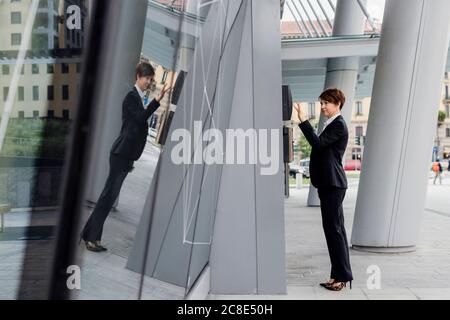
x=163 y=92
x=301 y=114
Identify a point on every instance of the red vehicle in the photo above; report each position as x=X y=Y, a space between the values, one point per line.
x=352 y=165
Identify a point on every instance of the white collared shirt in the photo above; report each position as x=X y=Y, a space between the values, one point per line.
x=329 y=121
x=141 y=94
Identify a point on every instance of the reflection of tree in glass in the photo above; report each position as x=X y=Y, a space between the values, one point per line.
x=305 y=147
x=44 y=138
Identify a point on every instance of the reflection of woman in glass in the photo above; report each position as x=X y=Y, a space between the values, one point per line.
x=127 y=148
x=328 y=176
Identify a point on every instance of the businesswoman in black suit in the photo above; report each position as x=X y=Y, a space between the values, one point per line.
x=328 y=176
x=127 y=148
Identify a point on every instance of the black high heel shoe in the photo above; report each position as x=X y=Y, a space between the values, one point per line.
x=326 y=284
x=99 y=244
x=95 y=246
x=338 y=286
x=92 y=246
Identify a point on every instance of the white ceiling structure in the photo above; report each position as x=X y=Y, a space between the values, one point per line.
x=304 y=52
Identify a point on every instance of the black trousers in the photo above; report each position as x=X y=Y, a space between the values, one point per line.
x=118 y=170
x=333 y=225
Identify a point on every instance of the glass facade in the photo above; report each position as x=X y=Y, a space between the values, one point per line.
x=63 y=94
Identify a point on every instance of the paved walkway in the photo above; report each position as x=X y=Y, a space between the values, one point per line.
x=423 y=274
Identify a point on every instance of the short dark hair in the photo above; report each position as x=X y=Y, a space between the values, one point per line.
x=144 y=69
x=333 y=95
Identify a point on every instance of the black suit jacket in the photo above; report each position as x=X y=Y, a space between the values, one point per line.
x=133 y=135
x=328 y=149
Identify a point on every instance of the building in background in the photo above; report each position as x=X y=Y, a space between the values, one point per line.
x=360 y=118
x=49 y=80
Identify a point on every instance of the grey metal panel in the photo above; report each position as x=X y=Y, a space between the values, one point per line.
x=233 y=253
x=222 y=104
x=178 y=187
x=247 y=254
x=267 y=114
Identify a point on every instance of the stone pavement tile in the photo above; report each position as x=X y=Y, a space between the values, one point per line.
x=88 y=258
x=432 y=293
x=7 y=286
x=246 y=297
x=392 y=297
x=340 y=296
x=125 y=277
x=345 y=294
x=162 y=294
x=301 y=293
x=112 y=270
x=388 y=291
x=103 y=287
x=10 y=275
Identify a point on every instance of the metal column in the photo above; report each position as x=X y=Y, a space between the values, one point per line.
x=402 y=125
x=342 y=73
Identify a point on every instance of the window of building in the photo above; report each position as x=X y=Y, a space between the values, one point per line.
x=164 y=77
x=35 y=93
x=5 y=93
x=5 y=70
x=356 y=153
x=447 y=110
x=43 y=4
x=35 y=114
x=35 y=69
x=16 y=18
x=64 y=68
x=447 y=96
x=21 y=114
x=312 y=110
x=78 y=67
x=66 y=114
x=50 y=69
x=359 y=108
x=50 y=113
x=65 y=92
x=16 y=39
x=22 y=71
x=359 y=131
x=21 y=93
x=50 y=93
x=447 y=132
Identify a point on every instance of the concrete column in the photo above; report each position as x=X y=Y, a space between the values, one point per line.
x=402 y=125
x=117 y=80
x=342 y=73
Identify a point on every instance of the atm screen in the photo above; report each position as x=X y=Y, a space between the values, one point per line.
x=176 y=93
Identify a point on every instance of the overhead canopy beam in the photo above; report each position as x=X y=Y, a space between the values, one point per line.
x=329 y=48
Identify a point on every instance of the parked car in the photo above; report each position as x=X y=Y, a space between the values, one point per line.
x=294 y=170
x=302 y=169
x=352 y=165
x=304 y=164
